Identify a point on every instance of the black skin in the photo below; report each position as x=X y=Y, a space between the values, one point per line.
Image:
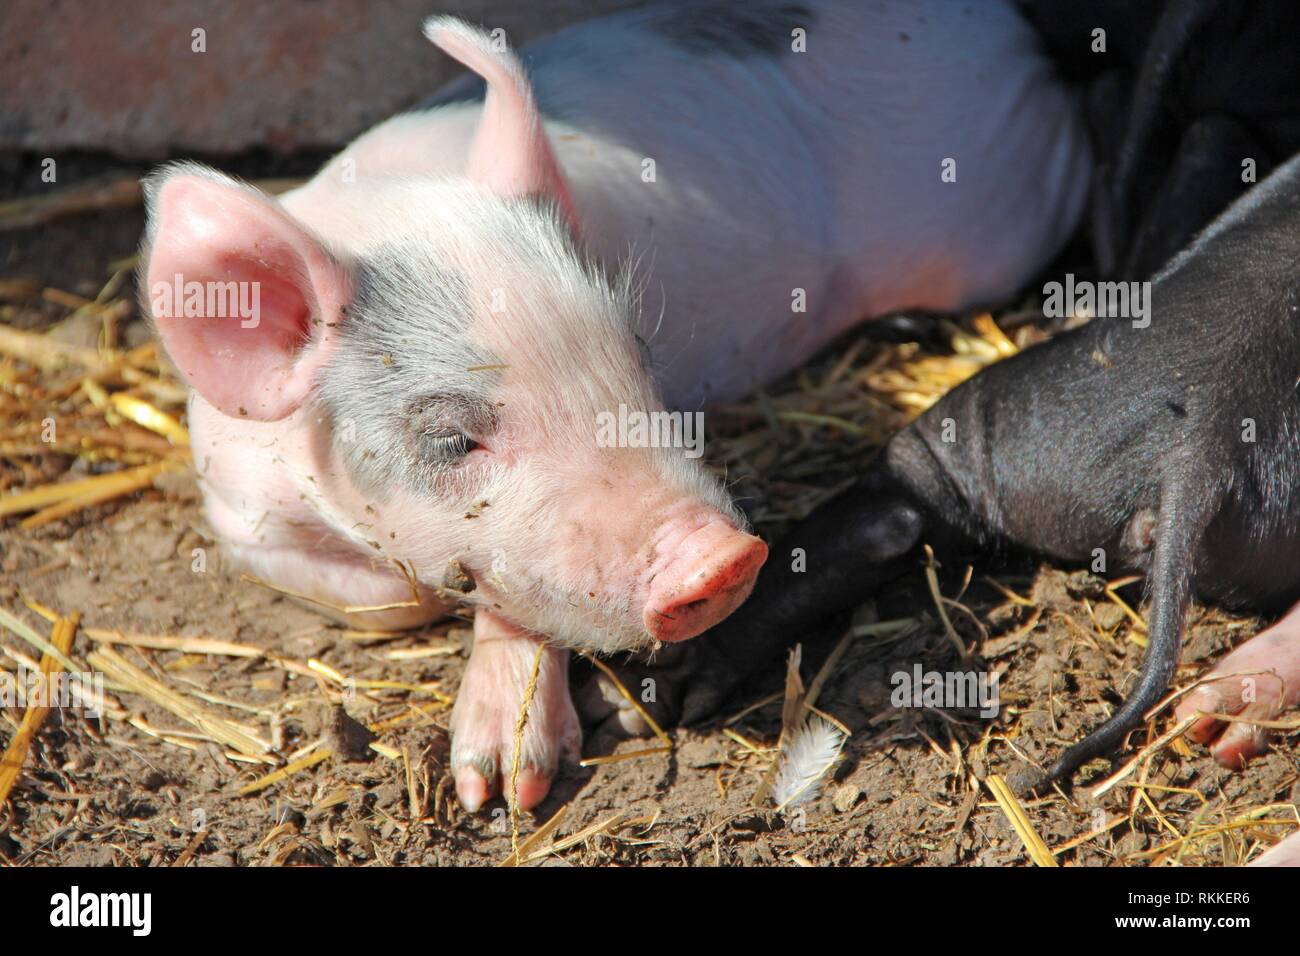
x=1185 y=91
x=1109 y=436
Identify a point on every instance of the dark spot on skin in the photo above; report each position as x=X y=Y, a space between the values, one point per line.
x=740 y=30
x=243 y=410
x=457 y=578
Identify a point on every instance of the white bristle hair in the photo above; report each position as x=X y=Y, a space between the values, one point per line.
x=806 y=758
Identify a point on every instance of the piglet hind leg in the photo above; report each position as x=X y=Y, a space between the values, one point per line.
x=487 y=709
x=349 y=590
x=1257 y=681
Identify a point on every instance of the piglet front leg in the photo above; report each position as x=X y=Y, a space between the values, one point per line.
x=1257 y=681
x=487 y=709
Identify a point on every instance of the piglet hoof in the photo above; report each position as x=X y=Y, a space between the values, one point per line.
x=706 y=693
x=656 y=684
x=1258 y=681
x=487 y=712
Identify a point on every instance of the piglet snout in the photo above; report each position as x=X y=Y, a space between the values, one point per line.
x=710 y=576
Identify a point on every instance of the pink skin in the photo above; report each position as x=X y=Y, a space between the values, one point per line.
x=603 y=547
x=1265 y=682
x=709 y=576
x=272 y=378
x=487 y=710
x=596 y=547
x=1286 y=853
x=1258 y=681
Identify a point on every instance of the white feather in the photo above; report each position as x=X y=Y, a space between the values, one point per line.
x=805 y=759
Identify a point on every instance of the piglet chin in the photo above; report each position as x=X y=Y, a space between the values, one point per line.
x=710 y=576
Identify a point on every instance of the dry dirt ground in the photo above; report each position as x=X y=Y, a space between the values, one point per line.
x=142 y=787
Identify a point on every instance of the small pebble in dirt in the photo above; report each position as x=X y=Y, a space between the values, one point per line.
x=1130 y=843
x=753 y=823
x=845 y=796
x=348 y=739
x=1086 y=584
x=272 y=681
x=701 y=752
x=1108 y=615
x=757 y=854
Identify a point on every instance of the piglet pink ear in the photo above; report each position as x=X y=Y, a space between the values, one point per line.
x=246 y=301
x=511 y=154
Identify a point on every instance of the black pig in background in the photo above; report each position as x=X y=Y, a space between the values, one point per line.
x=1173 y=445
x=1129 y=438
x=1183 y=93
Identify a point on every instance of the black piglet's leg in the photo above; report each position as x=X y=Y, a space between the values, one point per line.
x=1203 y=179
x=1169 y=45
x=827 y=564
